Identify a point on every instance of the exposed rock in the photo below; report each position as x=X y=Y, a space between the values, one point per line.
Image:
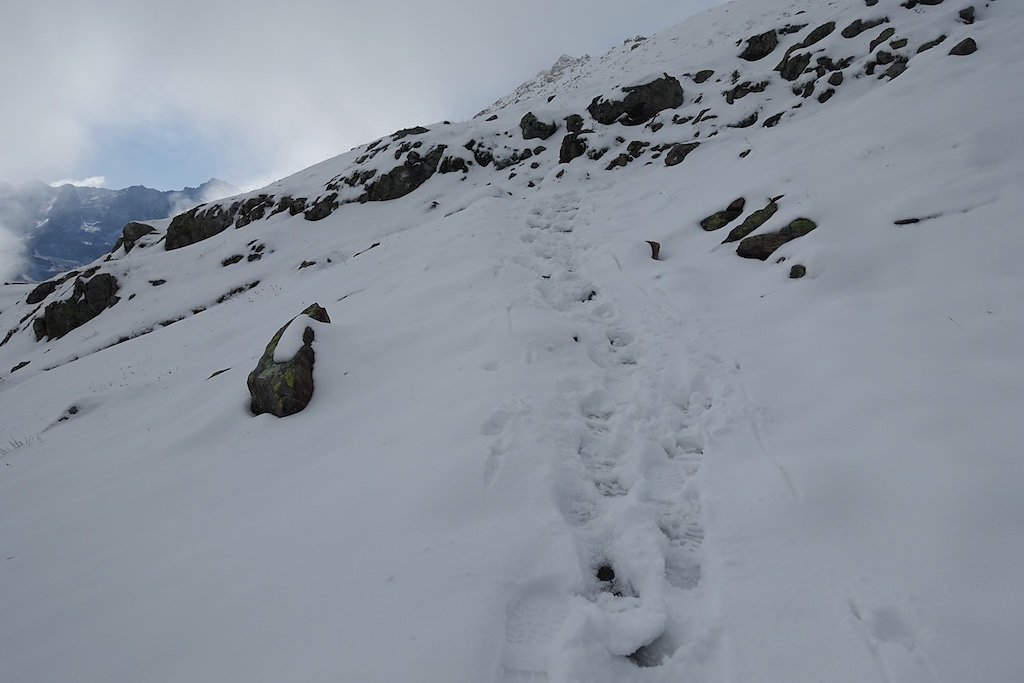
x=157 y=283
x=720 y=219
x=405 y=178
x=745 y=122
x=762 y=246
x=752 y=222
x=792 y=67
x=198 y=224
x=130 y=234
x=861 y=25
x=231 y=260
x=532 y=127
x=898 y=44
x=745 y=88
x=573 y=146
x=760 y=46
x=20 y=365
x=967 y=15
x=826 y=95
x=453 y=164
x=655 y=249
x=641 y=103
x=818 y=34
x=293 y=205
x=323 y=208
x=881 y=38
x=618 y=162
x=797 y=271
x=678 y=153
x=836 y=78
x=930 y=44
x=89 y=298
x=574 y=123
x=285 y=388
x=45 y=289
x=703 y=75
x=405 y=132
x=773 y=120
x=965 y=47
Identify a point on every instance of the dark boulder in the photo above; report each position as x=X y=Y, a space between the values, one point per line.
x=641 y=103
x=762 y=246
x=198 y=224
x=752 y=222
x=45 y=289
x=860 y=25
x=322 y=208
x=574 y=123
x=797 y=271
x=818 y=34
x=130 y=234
x=679 y=152
x=720 y=219
x=573 y=146
x=532 y=127
x=89 y=298
x=760 y=46
x=930 y=44
x=967 y=15
x=965 y=47
x=703 y=75
x=286 y=388
x=403 y=179
x=792 y=67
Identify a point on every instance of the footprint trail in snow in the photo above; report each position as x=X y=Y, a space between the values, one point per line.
x=627 y=486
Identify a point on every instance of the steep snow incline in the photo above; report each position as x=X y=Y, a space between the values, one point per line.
x=534 y=453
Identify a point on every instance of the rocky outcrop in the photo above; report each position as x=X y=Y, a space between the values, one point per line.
x=131 y=234
x=198 y=224
x=533 y=128
x=89 y=298
x=403 y=179
x=641 y=103
x=45 y=289
x=572 y=146
x=285 y=387
x=762 y=246
x=760 y=46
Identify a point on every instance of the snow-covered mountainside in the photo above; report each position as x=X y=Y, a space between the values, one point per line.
x=67 y=226
x=697 y=361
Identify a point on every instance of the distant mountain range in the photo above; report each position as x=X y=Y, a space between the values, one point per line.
x=66 y=226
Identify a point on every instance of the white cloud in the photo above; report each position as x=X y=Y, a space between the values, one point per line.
x=276 y=87
x=91 y=181
x=11 y=255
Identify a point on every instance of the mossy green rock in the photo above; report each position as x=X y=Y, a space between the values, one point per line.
x=286 y=388
x=751 y=223
x=762 y=246
x=720 y=219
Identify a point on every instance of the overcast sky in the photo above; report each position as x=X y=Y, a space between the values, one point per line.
x=169 y=94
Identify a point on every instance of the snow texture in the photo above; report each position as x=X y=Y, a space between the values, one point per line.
x=534 y=453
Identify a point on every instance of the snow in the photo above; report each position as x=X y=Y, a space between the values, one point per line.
x=793 y=480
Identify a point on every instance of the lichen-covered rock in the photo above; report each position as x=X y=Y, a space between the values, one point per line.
x=678 y=153
x=403 y=179
x=89 y=298
x=285 y=388
x=641 y=103
x=130 y=234
x=532 y=127
x=720 y=219
x=752 y=222
x=760 y=46
x=762 y=246
x=198 y=224
x=573 y=146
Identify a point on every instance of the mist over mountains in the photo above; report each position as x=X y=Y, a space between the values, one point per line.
x=61 y=227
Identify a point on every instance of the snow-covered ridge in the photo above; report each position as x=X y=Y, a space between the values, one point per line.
x=560 y=430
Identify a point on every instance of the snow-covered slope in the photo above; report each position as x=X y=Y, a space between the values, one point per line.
x=533 y=451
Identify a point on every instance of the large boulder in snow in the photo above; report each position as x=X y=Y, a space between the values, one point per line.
x=198 y=224
x=282 y=383
x=760 y=46
x=532 y=127
x=130 y=234
x=403 y=179
x=90 y=298
x=641 y=103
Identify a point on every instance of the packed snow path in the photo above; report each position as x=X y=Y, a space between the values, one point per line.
x=631 y=428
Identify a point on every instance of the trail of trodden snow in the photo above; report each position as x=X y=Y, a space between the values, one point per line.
x=631 y=423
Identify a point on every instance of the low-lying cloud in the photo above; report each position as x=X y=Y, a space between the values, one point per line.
x=12 y=255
